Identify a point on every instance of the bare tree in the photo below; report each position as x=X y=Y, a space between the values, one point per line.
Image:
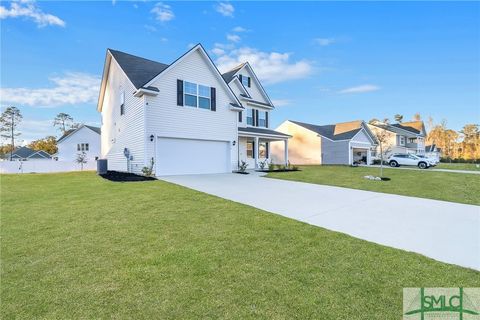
x=81 y=159
x=63 y=121
x=382 y=137
x=9 y=121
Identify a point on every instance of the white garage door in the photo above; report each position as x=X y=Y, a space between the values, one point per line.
x=187 y=156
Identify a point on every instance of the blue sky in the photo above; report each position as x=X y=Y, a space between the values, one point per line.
x=321 y=62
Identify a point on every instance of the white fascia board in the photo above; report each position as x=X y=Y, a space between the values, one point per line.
x=258 y=82
x=142 y=91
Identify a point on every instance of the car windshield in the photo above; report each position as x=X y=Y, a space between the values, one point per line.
x=420 y=156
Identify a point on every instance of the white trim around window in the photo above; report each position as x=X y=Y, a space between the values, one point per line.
x=196 y=95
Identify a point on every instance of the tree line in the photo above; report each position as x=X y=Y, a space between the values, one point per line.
x=9 y=131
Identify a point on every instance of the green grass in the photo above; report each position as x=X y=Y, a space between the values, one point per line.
x=77 y=247
x=458 y=166
x=454 y=187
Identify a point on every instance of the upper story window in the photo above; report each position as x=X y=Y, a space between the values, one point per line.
x=402 y=140
x=412 y=140
x=122 y=103
x=82 y=147
x=246 y=81
x=262 y=118
x=250 y=116
x=196 y=95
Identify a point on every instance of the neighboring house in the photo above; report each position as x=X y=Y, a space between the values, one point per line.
x=339 y=143
x=432 y=151
x=405 y=137
x=186 y=116
x=83 y=139
x=25 y=154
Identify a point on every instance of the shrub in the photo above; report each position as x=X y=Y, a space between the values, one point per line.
x=148 y=171
x=243 y=166
x=263 y=164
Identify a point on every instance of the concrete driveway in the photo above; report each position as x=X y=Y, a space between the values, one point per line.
x=445 y=231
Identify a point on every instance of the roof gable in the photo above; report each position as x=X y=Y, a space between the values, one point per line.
x=256 y=84
x=71 y=132
x=199 y=48
x=338 y=131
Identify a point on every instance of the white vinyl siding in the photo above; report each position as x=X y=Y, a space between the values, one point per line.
x=166 y=119
x=122 y=131
x=69 y=147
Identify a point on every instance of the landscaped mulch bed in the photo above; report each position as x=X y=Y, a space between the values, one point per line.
x=278 y=170
x=125 y=177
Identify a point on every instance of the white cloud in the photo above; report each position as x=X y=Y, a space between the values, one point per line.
x=218 y=51
x=29 y=10
x=135 y=6
x=324 y=41
x=72 y=88
x=233 y=37
x=225 y=9
x=280 y=102
x=270 y=67
x=163 y=12
x=360 y=89
x=239 y=29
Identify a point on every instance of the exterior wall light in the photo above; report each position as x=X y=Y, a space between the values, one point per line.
x=151 y=137
x=234 y=142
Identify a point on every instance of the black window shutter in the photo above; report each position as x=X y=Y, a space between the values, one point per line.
x=213 y=99
x=249 y=82
x=266 y=119
x=253 y=117
x=267 y=150
x=256 y=118
x=179 y=92
x=240 y=77
x=240 y=116
x=253 y=149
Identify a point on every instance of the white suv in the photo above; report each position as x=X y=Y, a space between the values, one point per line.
x=405 y=159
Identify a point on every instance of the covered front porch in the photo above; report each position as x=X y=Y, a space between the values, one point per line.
x=254 y=146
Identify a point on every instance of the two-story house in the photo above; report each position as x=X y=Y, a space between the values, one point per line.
x=405 y=137
x=186 y=116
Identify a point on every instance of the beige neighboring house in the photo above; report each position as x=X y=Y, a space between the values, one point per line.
x=340 y=143
x=405 y=137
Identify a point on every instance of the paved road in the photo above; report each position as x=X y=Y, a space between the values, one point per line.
x=430 y=169
x=445 y=231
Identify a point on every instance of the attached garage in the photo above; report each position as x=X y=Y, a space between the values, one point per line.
x=190 y=156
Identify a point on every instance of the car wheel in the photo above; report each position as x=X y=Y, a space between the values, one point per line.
x=393 y=163
x=422 y=165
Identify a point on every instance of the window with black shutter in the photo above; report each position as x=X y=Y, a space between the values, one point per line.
x=240 y=116
x=266 y=119
x=256 y=118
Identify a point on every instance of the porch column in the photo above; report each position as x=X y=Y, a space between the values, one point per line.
x=255 y=152
x=286 y=152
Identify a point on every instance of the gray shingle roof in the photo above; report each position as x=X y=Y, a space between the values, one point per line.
x=228 y=76
x=25 y=152
x=328 y=131
x=408 y=128
x=139 y=70
x=263 y=131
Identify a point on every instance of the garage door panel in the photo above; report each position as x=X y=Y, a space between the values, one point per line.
x=189 y=156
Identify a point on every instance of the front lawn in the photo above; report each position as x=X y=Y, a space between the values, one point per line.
x=458 y=166
x=75 y=246
x=454 y=187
